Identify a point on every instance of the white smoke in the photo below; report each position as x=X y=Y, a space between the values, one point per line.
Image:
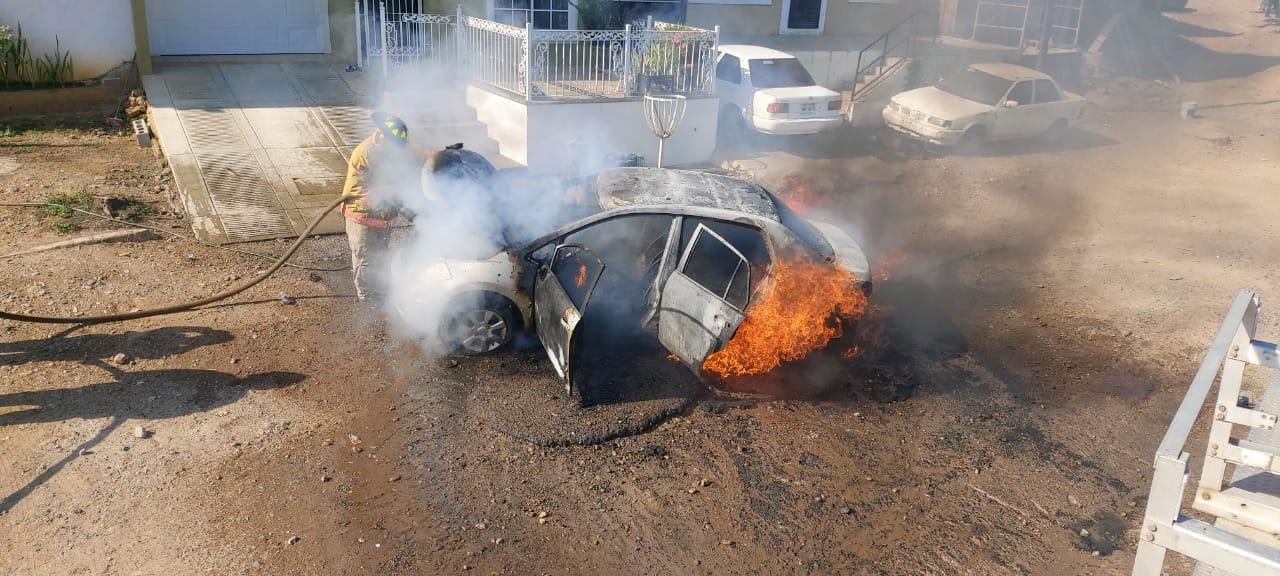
x=460 y=222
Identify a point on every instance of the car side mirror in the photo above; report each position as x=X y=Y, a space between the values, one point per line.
x=1010 y=103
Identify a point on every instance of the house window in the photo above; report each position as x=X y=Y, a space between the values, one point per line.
x=545 y=14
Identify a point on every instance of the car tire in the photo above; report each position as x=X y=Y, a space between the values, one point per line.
x=478 y=328
x=1056 y=133
x=732 y=128
x=972 y=139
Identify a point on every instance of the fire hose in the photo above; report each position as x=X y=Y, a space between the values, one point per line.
x=175 y=308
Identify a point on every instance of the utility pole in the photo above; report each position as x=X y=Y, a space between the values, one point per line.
x=1046 y=23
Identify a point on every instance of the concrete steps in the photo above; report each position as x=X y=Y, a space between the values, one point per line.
x=872 y=91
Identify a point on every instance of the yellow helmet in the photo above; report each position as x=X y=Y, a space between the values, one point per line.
x=392 y=127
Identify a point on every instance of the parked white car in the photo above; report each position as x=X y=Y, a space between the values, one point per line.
x=985 y=102
x=769 y=91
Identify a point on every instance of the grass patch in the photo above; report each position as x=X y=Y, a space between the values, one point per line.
x=66 y=227
x=61 y=207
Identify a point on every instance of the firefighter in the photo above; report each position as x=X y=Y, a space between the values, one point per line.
x=383 y=169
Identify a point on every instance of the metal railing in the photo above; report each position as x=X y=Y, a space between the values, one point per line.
x=1240 y=510
x=495 y=54
x=897 y=42
x=606 y=64
x=391 y=33
x=539 y=64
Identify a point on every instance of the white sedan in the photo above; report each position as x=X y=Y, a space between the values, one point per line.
x=771 y=92
x=985 y=102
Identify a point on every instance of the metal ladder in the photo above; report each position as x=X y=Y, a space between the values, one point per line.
x=1243 y=539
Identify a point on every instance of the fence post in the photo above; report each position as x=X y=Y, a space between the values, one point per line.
x=382 y=25
x=457 y=41
x=528 y=61
x=715 y=50
x=626 y=61
x=359 y=34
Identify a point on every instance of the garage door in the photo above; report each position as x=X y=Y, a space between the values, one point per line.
x=238 y=26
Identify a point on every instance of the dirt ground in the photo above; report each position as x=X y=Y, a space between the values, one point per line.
x=1050 y=306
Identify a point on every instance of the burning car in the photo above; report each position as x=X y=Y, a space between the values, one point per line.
x=731 y=280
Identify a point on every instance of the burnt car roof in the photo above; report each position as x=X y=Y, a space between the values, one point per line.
x=658 y=187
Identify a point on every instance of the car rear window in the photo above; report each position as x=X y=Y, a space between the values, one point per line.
x=779 y=73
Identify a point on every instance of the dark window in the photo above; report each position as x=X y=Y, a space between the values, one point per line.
x=628 y=243
x=978 y=86
x=577 y=269
x=545 y=14
x=1046 y=92
x=729 y=69
x=804 y=14
x=1021 y=93
x=712 y=264
x=779 y=73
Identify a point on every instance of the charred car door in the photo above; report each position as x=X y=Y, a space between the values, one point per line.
x=561 y=293
x=702 y=301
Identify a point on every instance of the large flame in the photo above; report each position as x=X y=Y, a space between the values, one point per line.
x=798 y=314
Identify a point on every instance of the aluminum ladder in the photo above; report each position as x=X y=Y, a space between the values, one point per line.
x=1243 y=540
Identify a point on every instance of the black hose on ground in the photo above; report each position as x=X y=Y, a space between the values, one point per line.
x=189 y=305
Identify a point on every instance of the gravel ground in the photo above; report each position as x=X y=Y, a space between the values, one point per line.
x=1044 y=311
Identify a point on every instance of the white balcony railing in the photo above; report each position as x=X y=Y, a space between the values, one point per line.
x=538 y=64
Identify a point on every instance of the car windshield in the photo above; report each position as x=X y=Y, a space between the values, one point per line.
x=977 y=86
x=779 y=73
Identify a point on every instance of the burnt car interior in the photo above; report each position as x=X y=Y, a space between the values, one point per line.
x=613 y=274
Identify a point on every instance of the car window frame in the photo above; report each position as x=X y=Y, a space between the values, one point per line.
x=591 y=285
x=1031 y=86
x=1036 y=84
x=744 y=264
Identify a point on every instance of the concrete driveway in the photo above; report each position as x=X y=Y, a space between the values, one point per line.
x=258 y=145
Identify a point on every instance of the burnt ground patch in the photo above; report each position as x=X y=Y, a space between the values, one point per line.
x=522 y=396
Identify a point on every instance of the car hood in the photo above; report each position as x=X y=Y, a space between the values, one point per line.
x=428 y=277
x=848 y=255
x=939 y=104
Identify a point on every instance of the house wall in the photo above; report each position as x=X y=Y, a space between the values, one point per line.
x=342 y=29
x=97 y=33
x=539 y=135
x=844 y=18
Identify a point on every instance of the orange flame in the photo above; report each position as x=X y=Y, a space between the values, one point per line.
x=798 y=193
x=581 y=279
x=800 y=313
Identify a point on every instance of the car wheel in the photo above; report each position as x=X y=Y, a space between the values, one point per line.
x=1056 y=133
x=484 y=327
x=732 y=128
x=972 y=139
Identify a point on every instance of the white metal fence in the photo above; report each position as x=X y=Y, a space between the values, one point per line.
x=395 y=33
x=493 y=53
x=540 y=64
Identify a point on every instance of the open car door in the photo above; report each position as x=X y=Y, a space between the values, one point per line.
x=560 y=297
x=703 y=300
